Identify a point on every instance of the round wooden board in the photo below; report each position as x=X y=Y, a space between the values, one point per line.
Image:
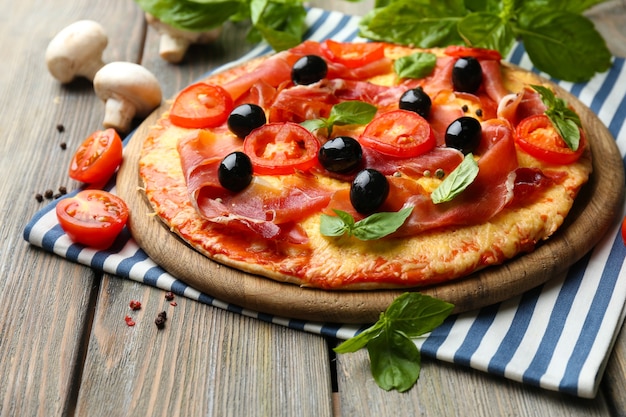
x=596 y=208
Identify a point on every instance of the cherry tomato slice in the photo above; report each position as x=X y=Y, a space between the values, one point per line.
x=537 y=136
x=353 y=55
x=93 y=218
x=478 y=53
x=281 y=148
x=97 y=157
x=399 y=133
x=201 y=105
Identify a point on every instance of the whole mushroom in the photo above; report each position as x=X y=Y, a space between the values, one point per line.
x=129 y=91
x=174 y=42
x=76 y=51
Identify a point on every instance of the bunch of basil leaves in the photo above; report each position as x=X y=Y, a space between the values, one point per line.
x=558 y=38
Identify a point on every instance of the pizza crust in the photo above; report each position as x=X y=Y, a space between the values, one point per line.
x=347 y=263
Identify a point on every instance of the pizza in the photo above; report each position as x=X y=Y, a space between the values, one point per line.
x=362 y=166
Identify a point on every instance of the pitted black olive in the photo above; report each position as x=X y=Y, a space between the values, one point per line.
x=245 y=118
x=467 y=75
x=308 y=70
x=464 y=134
x=368 y=191
x=235 y=171
x=416 y=100
x=341 y=154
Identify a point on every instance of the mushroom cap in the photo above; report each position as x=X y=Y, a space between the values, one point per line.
x=134 y=88
x=76 y=51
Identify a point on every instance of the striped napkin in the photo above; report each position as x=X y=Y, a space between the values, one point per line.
x=557 y=336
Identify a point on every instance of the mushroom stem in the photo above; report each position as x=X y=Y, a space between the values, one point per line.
x=118 y=113
x=174 y=42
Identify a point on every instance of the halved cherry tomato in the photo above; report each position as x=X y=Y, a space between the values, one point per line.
x=351 y=54
x=92 y=217
x=400 y=133
x=201 y=105
x=97 y=157
x=478 y=53
x=281 y=148
x=537 y=136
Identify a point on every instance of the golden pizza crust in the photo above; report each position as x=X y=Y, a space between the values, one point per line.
x=347 y=263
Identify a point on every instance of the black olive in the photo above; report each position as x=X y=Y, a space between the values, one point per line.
x=416 y=100
x=235 y=171
x=245 y=118
x=467 y=75
x=341 y=154
x=464 y=134
x=308 y=70
x=368 y=191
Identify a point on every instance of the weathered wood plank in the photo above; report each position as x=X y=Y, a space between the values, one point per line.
x=449 y=390
x=47 y=302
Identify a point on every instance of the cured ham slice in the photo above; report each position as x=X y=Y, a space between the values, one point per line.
x=264 y=208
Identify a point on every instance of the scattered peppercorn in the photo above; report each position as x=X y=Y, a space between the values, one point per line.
x=439 y=173
x=60 y=128
x=39 y=197
x=135 y=305
x=129 y=321
x=48 y=194
x=479 y=112
x=62 y=190
x=169 y=296
x=63 y=145
x=160 y=320
x=465 y=108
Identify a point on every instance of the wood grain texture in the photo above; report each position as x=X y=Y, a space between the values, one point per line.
x=47 y=302
x=447 y=390
x=593 y=213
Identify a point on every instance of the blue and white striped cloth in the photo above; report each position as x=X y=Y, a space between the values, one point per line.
x=557 y=336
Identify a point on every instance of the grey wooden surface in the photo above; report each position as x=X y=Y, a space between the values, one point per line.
x=64 y=346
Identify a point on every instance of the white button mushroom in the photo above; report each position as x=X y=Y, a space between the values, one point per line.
x=129 y=91
x=76 y=51
x=174 y=42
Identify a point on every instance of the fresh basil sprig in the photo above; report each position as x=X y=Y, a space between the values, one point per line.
x=557 y=37
x=395 y=361
x=565 y=120
x=457 y=181
x=416 y=65
x=346 y=113
x=374 y=226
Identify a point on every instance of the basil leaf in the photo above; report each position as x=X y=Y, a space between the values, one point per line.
x=352 y=113
x=332 y=226
x=375 y=226
x=280 y=23
x=345 y=113
x=487 y=30
x=191 y=15
x=417 y=65
x=414 y=313
x=564 y=119
x=457 y=181
x=395 y=360
x=578 y=6
x=378 y=225
x=421 y=23
x=361 y=340
x=564 y=44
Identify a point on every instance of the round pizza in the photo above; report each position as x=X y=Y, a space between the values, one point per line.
x=366 y=165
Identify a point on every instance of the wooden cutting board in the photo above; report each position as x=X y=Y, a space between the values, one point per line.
x=595 y=210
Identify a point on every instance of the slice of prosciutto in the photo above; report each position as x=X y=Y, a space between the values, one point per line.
x=267 y=210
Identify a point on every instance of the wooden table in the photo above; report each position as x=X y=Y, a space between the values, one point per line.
x=64 y=346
